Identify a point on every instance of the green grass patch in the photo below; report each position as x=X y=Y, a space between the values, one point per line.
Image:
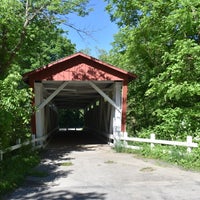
x=14 y=168
x=147 y=169
x=66 y=164
x=109 y=162
x=171 y=154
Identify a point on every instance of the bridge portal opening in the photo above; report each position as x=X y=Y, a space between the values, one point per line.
x=71 y=119
x=79 y=90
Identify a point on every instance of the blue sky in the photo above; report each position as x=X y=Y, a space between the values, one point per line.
x=98 y=26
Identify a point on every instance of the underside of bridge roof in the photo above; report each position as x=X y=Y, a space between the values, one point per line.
x=77 y=94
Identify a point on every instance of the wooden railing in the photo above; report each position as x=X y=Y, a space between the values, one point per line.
x=36 y=143
x=152 y=141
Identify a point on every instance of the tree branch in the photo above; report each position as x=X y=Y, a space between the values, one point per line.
x=28 y=19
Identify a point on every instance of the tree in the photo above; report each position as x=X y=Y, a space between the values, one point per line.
x=31 y=35
x=178 y=91
x=159 y=41
x=15 y=109
x=48 y=50
x=26 y=24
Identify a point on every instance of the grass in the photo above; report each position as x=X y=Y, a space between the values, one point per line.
x=66 y=164
x=147 y=169
x=109 y=162
x=174 y=155
x=14 y=168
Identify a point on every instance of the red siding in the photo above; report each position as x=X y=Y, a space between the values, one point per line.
x=78 y=67
x=84 y=72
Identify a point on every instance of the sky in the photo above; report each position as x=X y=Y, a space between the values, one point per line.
x=99 y=28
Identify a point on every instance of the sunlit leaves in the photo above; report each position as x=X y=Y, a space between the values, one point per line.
x=161 y=45
x=31 y=35
x=27 y=24
x=15 y=109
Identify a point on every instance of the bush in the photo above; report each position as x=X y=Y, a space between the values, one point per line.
x=16 y=110
x=14 y=168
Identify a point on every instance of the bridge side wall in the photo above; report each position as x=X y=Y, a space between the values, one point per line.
x=46 y=118
x=102 y=117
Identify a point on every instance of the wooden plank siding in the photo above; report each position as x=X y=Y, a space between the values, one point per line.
x=85 y=69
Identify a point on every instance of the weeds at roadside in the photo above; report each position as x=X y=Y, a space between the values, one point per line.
x=174 y=155
x=147 y=169
x=109 y=162
x=66 y=164
x=14 y=169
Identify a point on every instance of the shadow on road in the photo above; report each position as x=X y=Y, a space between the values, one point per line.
x=57 y=154
x=46 y=174
x=61 y=195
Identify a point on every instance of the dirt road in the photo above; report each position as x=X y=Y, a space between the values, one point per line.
x=95 y=171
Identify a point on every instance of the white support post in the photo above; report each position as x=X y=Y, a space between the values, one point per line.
x=38 y=87
x=152 y=137
x=125 y=136
x=189 y=142
x=117 y=116
x=40 y=104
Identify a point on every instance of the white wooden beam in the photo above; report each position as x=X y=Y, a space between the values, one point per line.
x=39 y=115
x=52 y=95
x=117 y=117
x=70 y=90
x=105 y=96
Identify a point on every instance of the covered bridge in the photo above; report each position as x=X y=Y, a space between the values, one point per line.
x=82 y=82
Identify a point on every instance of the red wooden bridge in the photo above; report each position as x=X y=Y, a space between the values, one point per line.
x=82 y=82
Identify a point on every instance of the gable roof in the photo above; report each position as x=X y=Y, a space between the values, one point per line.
x=66 y=63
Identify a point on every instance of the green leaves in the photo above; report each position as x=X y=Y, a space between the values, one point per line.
x=14 y=169
x=25 y=26
x=161 y=45
x=181 y=86
x=15 y=109
x=31 y=35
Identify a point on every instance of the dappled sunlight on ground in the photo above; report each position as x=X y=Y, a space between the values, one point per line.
x=79 y=166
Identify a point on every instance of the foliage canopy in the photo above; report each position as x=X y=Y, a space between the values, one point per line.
x=32 y=34
x=159 y=40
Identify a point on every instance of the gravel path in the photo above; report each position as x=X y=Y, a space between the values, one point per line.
x=88 y=170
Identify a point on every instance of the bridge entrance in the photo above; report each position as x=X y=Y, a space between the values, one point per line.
x=79 y=84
